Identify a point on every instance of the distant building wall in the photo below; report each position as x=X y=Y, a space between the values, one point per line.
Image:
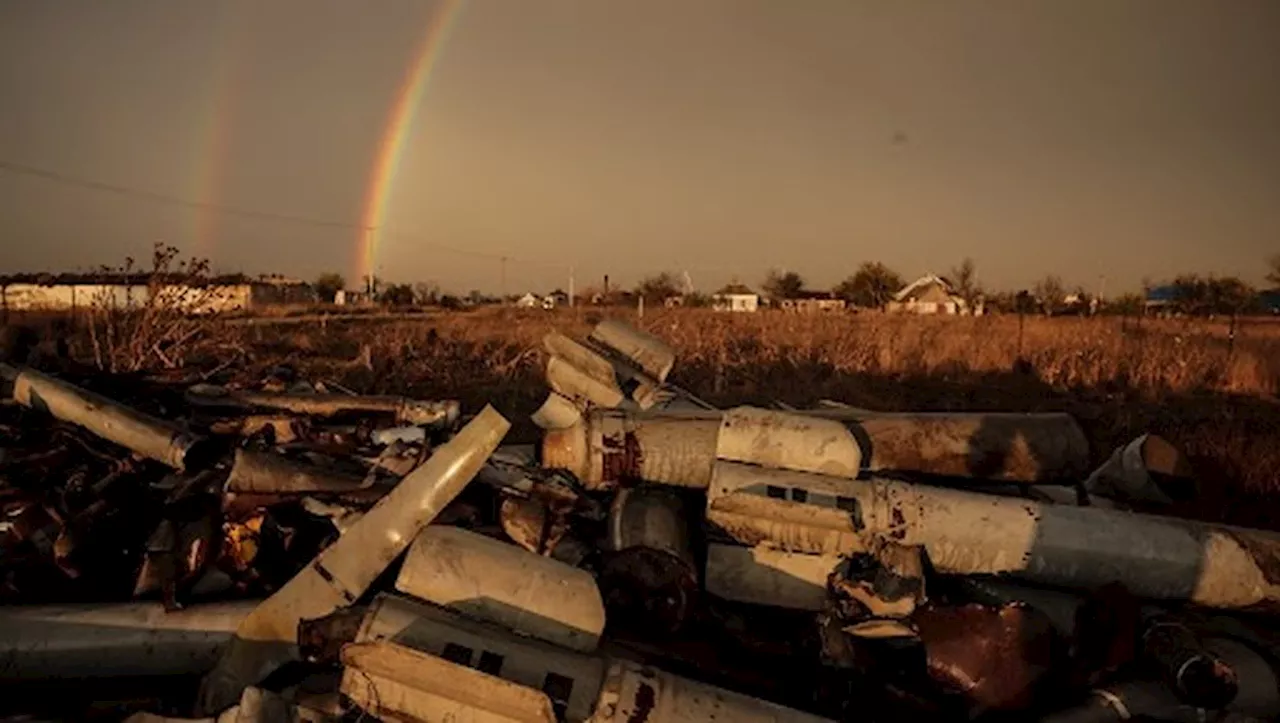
x=736 y=302
x=66 y=297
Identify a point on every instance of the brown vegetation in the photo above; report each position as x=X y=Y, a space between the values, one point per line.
x=1187 y=380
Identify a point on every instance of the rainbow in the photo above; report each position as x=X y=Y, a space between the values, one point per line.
x=386 y=162
x=228 y=43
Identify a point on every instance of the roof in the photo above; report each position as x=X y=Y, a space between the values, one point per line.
x=736 y=290
x=923 y=281
x=807 y=295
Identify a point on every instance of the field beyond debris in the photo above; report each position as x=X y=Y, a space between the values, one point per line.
x=1188 y=380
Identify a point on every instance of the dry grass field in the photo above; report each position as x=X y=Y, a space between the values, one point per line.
x=1185 y=379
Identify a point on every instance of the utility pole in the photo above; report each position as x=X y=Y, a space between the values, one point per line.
x=570 y=287
x=502 y=277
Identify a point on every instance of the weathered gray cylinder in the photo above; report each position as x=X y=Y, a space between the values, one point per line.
x=51 y=642
x=1073 y=547
x=649 y=574
x=608 y=446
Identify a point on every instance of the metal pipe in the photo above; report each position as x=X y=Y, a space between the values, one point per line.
x=649 y=574
x=608 y=446
x=141 y=433
x=486 y=579
x=1072 y=547
x=405 y=410
x=343 y=572
x=52 y=642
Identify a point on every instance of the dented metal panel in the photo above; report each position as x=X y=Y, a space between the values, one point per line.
x=571 y=679
x=635 y=693
x=490 y=580
x=763 y=576
x=1074 y=547
x=344 y=570
x=50 y=642
x=780 y=440
x=395 y=683
x=271 y=474
x=143 y=434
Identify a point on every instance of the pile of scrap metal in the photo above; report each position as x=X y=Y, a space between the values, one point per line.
x=652 y=558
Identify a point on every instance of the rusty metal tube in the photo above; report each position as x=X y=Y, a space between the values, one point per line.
x=51 y=642
x=608 y=446
x=343 y=572
x=404 y=409
x=141 y=433
x=1072 y=547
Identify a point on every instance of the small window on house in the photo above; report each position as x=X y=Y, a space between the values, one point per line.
x=459 y=654
x=799 y=495
x=777 y=493
x=490 y=662
x=558 y=688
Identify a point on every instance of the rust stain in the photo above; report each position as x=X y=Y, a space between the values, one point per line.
x=899 y=529
x=621 y=457
x=644 y=703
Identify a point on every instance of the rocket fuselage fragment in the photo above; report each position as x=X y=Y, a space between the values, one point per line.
x=403 y=409
x=52 y=642
x=971 y=533
x=609 y=446
x=342 y=572
x=143 y=434
x=581 y=687
x=488 y=579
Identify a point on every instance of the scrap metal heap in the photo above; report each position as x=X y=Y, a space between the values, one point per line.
x=289 y=551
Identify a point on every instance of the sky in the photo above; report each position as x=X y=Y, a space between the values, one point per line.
x=1106 y=141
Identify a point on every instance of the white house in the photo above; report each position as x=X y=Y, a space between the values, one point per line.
x=928 y=294
x=529 y=301
x=735 y=297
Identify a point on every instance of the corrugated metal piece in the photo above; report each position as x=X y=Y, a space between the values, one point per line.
x=486 y=579
x=344 y=570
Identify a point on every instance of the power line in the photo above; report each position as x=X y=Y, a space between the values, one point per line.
x=165 y=199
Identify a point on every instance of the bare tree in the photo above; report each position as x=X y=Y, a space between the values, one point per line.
x=658 y=288
x=1050 y=292
x=783 y=284
x=1273 y=273
x=965 y=280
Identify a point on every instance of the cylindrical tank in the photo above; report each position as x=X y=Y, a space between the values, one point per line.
x=490 y=580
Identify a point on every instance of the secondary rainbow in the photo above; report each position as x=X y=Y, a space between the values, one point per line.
x=391 y=145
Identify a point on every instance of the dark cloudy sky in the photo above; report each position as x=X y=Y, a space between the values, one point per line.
x=1131 y=138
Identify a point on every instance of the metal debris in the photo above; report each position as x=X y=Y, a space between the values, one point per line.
x=648 y=558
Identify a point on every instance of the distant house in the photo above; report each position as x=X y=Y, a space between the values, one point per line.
x=1269 y=300
x=1161 y=299
x=928 y=294
x=736 y=297
x=674 y=302
x=812 y=302
x=529 y=301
